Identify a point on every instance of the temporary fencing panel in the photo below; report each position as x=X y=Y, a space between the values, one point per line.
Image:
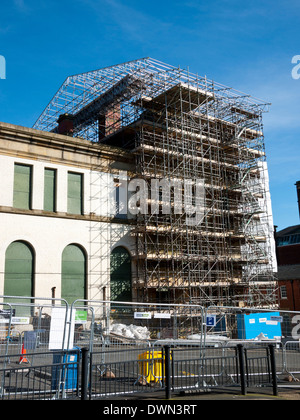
x=291 y=352
x=133 y=335
x=121 y=324
x=126 y=342
x=53 y=323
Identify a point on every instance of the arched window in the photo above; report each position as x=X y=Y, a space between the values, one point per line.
x=120 y=275
x=18 y=276
x=73 y=274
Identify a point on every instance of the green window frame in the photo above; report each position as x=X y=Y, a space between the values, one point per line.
x=22 y=186
x=50 y=189
x=75 y=193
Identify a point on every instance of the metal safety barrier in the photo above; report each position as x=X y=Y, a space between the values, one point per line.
x=127 y=344
x=81 y=374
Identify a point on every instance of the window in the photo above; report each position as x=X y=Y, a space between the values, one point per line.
x=22 y=186
x=50 y=189
x=18 y=276
x=288 y=240
x=73 y=274
x=75 y=193
x=120 y=206
x=283 y=292
x=120 y=275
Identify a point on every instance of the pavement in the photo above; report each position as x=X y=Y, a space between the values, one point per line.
x=285 y=392
x=195 y=403
x=255 y=394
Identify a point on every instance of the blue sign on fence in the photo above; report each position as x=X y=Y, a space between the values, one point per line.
x=211 y=320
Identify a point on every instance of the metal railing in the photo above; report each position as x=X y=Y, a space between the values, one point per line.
x=48 y=375
x=173 y=370
x=81 y=374
x=127 y=347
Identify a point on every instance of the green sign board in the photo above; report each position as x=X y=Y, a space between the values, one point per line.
x=80 y=317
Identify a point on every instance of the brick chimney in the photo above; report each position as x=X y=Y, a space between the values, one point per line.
x=109 y=123
x=65 y=124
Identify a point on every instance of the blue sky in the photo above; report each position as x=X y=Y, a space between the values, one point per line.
x=246 y=45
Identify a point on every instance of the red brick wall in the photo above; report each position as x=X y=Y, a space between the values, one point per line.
x=288 y=254
x=292 y=302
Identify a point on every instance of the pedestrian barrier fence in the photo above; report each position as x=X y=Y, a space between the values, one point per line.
x=80 y=374
x=134 y=347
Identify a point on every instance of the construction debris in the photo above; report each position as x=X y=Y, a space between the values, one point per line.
x=130 y=331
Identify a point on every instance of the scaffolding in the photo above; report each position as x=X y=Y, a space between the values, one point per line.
x=182 y=128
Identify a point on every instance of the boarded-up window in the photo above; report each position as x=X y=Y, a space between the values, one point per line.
x=75 y=193
x=22 y=186
x=18 y=276
x=50 y=190
x=73 y=274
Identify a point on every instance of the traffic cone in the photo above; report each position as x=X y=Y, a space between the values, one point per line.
x=23 y=358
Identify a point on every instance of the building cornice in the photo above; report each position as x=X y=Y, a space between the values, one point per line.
x=29 y=143
x=91 y=217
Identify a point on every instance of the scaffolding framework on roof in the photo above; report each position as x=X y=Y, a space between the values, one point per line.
x=182 y=126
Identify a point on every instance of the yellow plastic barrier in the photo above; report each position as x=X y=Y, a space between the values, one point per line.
x=150 y=365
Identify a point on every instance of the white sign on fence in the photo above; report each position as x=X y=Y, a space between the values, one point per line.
x=142 y=315
x=162 y=315
x=59 y=329
x=16 y=320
